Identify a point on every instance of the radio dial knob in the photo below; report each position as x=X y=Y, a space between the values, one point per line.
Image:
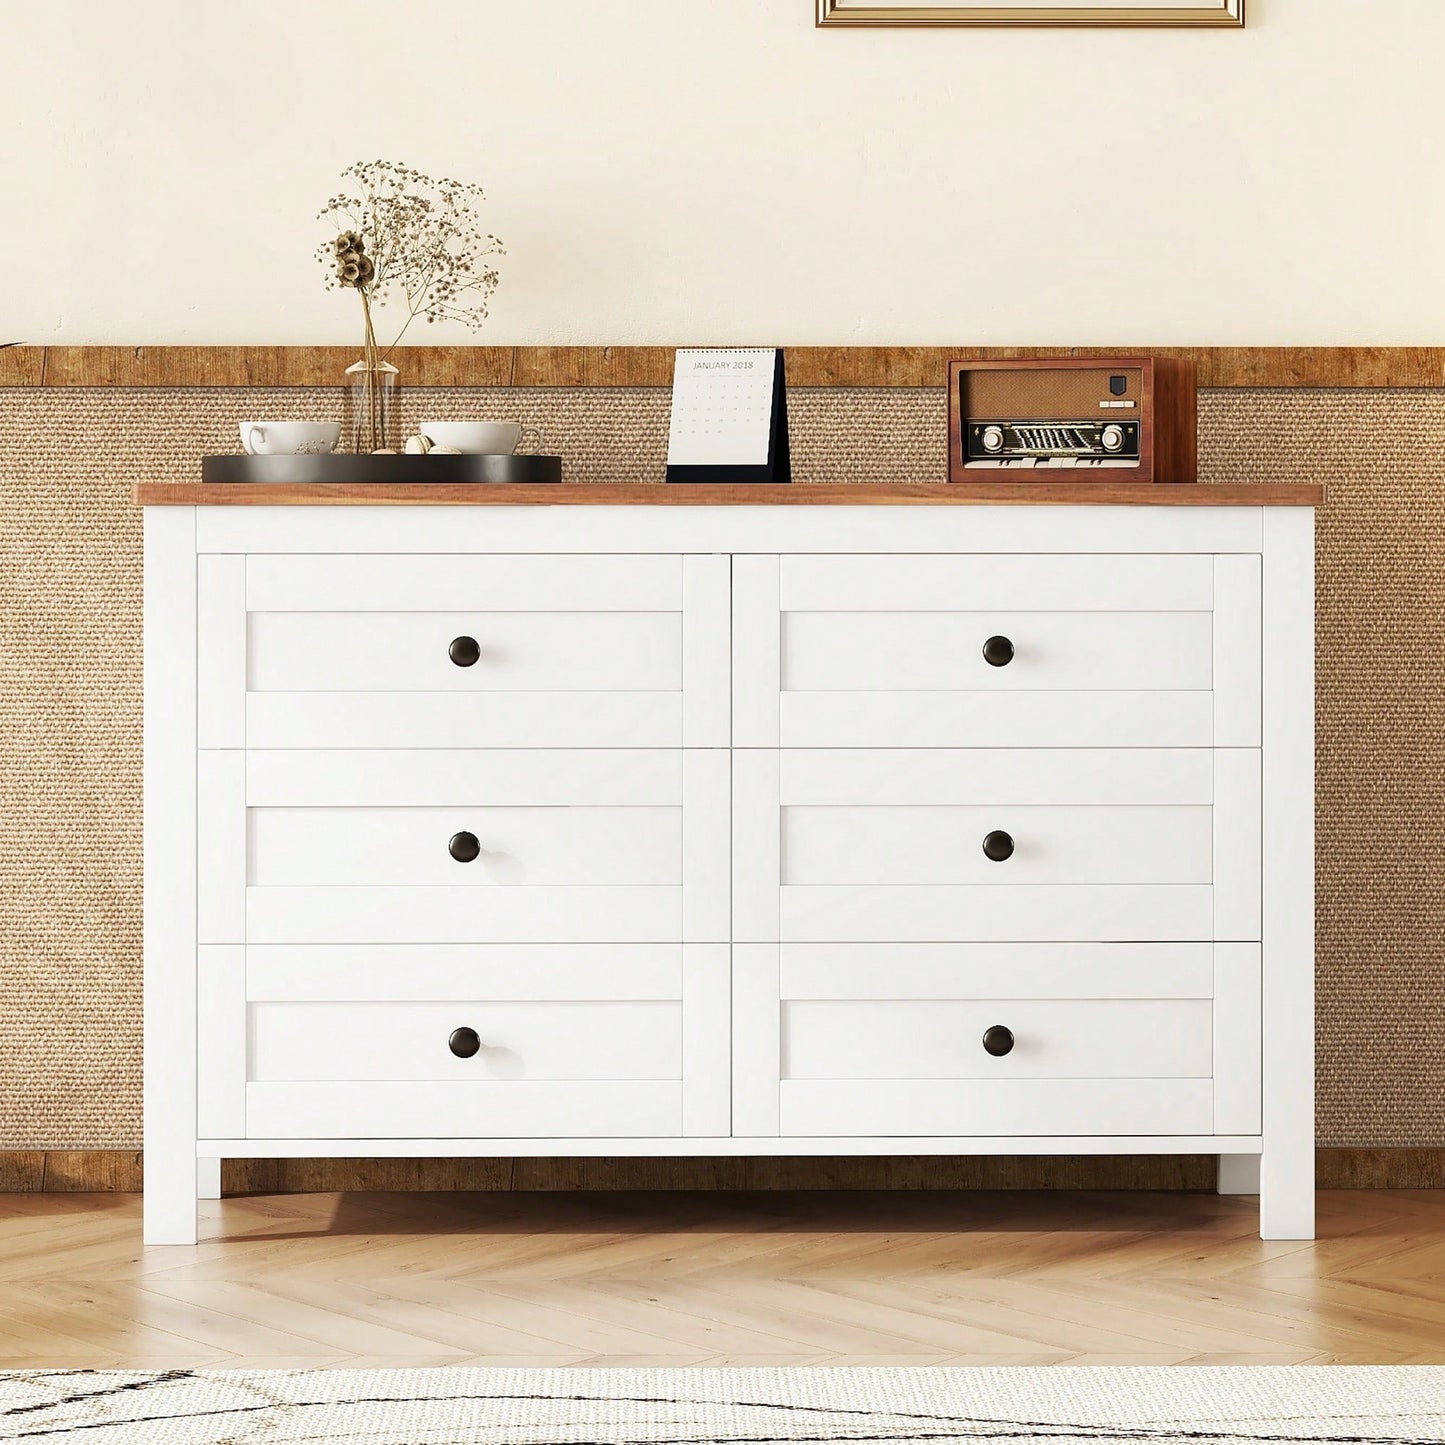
x=1112 y=438
x=992 y=438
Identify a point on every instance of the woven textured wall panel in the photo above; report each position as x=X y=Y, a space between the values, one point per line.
x=70 y=588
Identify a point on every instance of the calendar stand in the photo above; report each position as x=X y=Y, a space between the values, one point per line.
x=690 y=408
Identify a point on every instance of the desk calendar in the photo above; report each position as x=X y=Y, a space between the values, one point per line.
x=729 y=416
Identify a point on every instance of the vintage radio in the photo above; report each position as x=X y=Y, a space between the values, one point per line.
x=1075 y=418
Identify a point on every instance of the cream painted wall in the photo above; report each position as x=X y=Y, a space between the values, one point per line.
x=720 y=171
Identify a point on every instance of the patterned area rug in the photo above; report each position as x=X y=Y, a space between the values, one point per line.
x=1384 y=1405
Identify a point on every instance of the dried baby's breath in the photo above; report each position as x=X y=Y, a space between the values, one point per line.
x=400 y=231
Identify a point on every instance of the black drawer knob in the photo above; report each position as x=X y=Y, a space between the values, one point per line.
x=998 y=652
x=997 y=1040
x=998 y=846
x=464 y=847
x=465 y=1042
x=464 y=651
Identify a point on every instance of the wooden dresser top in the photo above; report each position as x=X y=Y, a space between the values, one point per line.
x=977 y=494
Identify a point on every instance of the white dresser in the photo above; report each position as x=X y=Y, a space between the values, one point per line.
x=680 y=827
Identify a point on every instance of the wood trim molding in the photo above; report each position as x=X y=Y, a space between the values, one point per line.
x=29 y=1171
x=808 y=366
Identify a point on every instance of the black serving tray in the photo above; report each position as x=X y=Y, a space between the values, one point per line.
x=402 y=468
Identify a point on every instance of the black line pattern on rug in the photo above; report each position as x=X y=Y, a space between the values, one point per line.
x=166 y=1377
x=962 y=1427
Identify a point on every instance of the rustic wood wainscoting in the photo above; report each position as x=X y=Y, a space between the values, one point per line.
x=1218 y=366
x=106 y=1171
x=1379 y=578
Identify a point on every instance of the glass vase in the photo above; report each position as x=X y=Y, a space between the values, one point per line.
x=375 y=422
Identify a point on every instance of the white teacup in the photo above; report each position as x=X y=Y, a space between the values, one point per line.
x=289 y=438
x=484 y=438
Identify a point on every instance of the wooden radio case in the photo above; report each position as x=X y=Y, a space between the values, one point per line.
x=1072 y=418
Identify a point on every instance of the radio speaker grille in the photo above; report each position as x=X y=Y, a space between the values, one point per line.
x=1044 y=395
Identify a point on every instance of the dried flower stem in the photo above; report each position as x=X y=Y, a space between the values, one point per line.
x=375 y=430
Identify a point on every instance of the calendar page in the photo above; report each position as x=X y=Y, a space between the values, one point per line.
x=722 y=407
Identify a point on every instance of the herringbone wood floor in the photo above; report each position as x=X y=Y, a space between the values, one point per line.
x=767 y=1279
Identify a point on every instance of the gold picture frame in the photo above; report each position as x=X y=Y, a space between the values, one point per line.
x=1196 y=14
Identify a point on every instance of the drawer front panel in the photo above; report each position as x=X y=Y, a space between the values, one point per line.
x=888 y=844
x=365 y=778
x=518 y=651
x=503 y=1109
x=1048 y=1107
x=1092 y=651
x=858 y=1038
x=500 y=914
x=457 y=583
x=1056 y=719
x=399 y=846
x=945 y=845
x=518 y=1041
x=942 y=1039
x=941 y=651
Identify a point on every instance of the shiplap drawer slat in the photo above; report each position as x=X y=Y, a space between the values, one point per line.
x=998 y=719
x=520 y=651
x=459 y=582
x=1142 y=913
x=979 y=582
x=1100 y=777
x=292 y=847
x=420 y=972
x=900 y=1108
x=495 y=1109
x=922 y=845
x=464 y=719
x=450 y=778
x=996 y=970
x=464 y=915
x=1059 y=1038
x=580 y=1039
x=923 y=651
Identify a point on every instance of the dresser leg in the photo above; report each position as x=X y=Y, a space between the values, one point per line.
x=1238 y=1174
x=169 y=1205
x=1287 y=1192
x=208 y=1178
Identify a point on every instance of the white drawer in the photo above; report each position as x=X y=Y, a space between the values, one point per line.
x=943 y=651
x=589 y=846
x=519 y=845
x=1107 y=651
x=1112 y=844
x=514 y=651
x=518 y=1041
x=1106 y=1038
x=1051 y=1039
